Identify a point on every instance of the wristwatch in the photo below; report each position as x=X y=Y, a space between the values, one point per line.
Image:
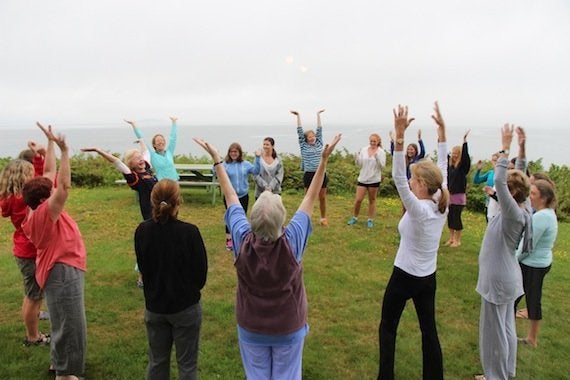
x=400 y=141
x=504 y=151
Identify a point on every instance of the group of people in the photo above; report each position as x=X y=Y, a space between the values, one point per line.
x=271 y=304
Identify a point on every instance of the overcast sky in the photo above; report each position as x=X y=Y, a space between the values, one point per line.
x=225 y=61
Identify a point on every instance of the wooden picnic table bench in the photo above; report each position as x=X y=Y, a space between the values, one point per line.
x=195 y=175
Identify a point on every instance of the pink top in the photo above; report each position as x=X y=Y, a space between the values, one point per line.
x=56 y=242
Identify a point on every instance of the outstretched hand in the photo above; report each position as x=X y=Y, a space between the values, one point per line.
x=466 y=134
x=440 y=123
x=521 y=135
x=401 y=120
x=294 y=112
x=329 y=148
x=173 y=119
x=47 y=131
x=212 y=151
x=89 y=149
x=131 y=122
x=320 y=111
x=507 y=135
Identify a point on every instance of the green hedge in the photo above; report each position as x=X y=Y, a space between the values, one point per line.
x=93 y=171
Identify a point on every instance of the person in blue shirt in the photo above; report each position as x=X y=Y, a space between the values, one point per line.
x=239 y=170
x=162 y=157
x=537 y=264
x=488 y=178
x=271 y=303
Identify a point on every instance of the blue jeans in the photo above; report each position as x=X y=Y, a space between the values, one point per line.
x=64 y=291
x=182 y=328
x=262 y=362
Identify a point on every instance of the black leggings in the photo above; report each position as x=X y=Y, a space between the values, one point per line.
x=401 y=287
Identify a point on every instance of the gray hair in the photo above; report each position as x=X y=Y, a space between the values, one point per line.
x=268 y=216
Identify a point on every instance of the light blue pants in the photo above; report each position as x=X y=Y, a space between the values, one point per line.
x=64 y=290
x=182 y=329
x=498 y=340
x=272 y=362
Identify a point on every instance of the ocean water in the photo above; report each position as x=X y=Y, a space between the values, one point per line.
x=548 y=144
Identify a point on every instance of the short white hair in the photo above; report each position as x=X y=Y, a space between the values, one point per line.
x=268 y=216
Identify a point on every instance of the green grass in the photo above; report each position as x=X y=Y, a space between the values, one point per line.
x=346 y=271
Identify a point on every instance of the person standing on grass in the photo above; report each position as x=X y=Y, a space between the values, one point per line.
x=238 y=171
x=271 y=303
x=162 y=157
x=12 y=179
x=172 y=258
x=371 y=160
x=311 y=145
x=425 y=199
x=35 y=154
x=500 y=281
x=271 y=170
x=535 y=266
x=459 y=165
x=61 y=261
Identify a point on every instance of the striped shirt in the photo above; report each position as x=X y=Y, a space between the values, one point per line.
x=310 y=154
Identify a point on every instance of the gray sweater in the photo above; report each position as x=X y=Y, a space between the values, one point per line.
x=500 y=279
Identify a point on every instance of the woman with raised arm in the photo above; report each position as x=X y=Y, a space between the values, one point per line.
x=371 y=159
x=238 y=171
x=172 y=258
x=412 y=153
x=162 y=158
x=137 y=173
x=500 y=281
x=459 y=165
x=271 y=304
x=311 y=145
x=271 y=170
x=61 y=260
x=425 y=199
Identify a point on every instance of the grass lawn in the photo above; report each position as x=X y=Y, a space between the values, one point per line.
x=346 y=271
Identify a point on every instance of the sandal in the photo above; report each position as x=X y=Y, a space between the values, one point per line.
x=43 y=340
x=522 y=314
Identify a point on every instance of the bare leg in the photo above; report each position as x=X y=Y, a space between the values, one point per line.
x=372 y=192
x=30 y=314
x=532 y=337
x=323 y=202
x=456 y=239
x=360 y=191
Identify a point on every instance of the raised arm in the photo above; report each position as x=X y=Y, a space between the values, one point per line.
x=313 y=191
x=135 y=129
x=57 y=200
x=441 y=142
x=521 y=163
x=109 y=157
x=50 y=168
x=223 y=179
x=173 y=138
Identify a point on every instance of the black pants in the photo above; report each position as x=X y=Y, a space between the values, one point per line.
x=401 y=287
x=244 y=201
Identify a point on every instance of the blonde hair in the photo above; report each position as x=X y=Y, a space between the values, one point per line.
x=13 y=177
x=518 y=184
x=378 y=137
x=128 y=156
x=165 y=200
x=428 y=173
x=268 y=216
x=457 y=161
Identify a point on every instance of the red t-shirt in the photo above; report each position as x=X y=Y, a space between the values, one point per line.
x=15 y=208
x=56 y=241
